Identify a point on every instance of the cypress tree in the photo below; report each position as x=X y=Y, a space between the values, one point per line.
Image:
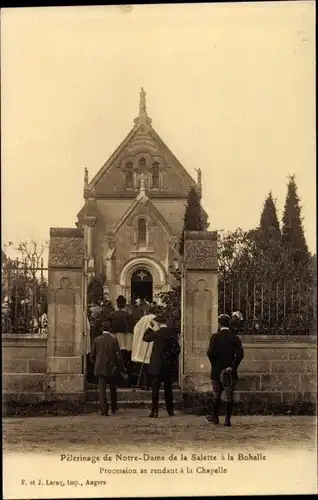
x=293 y=237
x=268 y=236
x=269 y=224
x=193 y=220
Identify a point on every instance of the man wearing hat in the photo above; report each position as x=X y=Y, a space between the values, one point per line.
x=164 y=353
x=237 y=322
x=108 y=364
x=122 y=328
x=225 y=353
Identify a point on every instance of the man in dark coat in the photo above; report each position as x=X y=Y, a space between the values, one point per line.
x=164 y=353
x=225 y=353
x=106 y=309
x=122 y=328
x=109 y=364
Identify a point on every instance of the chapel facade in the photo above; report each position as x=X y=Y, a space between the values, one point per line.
x=133 y=213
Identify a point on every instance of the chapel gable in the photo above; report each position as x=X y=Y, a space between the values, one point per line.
x=143 y=225
x=142 y=151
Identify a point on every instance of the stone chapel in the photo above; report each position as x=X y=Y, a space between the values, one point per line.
x=133 y=213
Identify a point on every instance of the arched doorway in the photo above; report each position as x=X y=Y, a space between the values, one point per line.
x=141 y=285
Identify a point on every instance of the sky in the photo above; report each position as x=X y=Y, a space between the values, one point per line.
x=230 y=89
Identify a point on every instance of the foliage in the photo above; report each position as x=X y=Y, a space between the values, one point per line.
x=95 y=289
x=172 y=301
x=271 y=296
x=260 y=281
x=193 y=218
x=293 y=237
x=31 y=253
x=269 y=234
x=24 y=287
x=269 y=224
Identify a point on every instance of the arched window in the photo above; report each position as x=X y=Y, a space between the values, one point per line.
x=142 y=162
x=129 y=175
x=142 y=233
x=155 y=175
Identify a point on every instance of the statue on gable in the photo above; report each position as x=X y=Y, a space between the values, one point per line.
x=86 y=176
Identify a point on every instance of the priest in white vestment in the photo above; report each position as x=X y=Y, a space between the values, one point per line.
x=141 y=350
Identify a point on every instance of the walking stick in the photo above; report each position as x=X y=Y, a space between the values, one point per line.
x=96 y=392
x=142 y=365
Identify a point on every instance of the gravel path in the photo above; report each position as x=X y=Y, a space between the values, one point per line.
x=132 y=428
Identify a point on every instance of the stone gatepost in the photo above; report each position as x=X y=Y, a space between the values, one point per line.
x=65 y=343
x=199 y=306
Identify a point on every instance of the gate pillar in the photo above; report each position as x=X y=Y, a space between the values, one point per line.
x=65 y=343
x=199 y=306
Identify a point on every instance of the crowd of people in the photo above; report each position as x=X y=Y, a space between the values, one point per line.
x=128 y=329
x=124 y=346
x=141 y=336
x=134 y=344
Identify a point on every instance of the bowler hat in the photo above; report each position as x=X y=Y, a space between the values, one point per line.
x=161 y=319
x=106 y=325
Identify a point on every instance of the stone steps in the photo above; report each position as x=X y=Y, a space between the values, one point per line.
x=132 y=398
x=92 y=386
x=141 y=404
x=134 y=395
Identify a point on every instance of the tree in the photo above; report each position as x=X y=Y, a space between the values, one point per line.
x=95 y=289
x=193 y=217
x=172 y=301
x=24 y=286
x=21 y=273
x=269 y=224
x=293 y=237
x=238 y=268
x=267 y=242
x=256 y=273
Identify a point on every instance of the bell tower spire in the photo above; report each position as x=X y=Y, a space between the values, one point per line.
x=143 y=118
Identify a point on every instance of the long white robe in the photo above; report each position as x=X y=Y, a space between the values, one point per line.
x=141 y=350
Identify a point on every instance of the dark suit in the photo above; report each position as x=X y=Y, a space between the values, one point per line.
x=96 y=327
x=165 y=350
x=225 y=351
x=121 y=322
x=137 y=312
x=109 y=363
x=107 y=308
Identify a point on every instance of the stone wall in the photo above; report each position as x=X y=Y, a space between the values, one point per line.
x=278 y=373
x=24 y=364
x=38 y=369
